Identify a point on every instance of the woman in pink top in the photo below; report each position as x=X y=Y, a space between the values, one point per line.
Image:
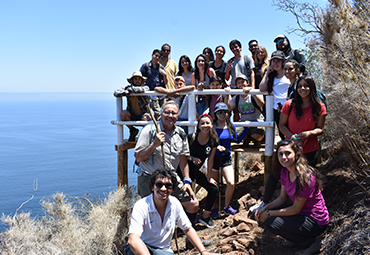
x=308 y=217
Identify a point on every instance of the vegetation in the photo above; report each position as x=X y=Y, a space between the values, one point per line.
x=71 y=226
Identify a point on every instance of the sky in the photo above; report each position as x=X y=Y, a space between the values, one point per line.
x=93 y=46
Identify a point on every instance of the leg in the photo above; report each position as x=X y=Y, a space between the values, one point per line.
x=126 y=116
x=299 y=229
x=156 y=108
x=143 y=187
x=228 y=174
x=277 y=119
x=270 y=188
x=211 y=190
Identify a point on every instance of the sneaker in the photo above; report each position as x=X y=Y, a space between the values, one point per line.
x=257 y=206
x=189 y=245
x=133 y=132
x=215 y=213
x=208 y=222
x=229 y=210
x=315 y=247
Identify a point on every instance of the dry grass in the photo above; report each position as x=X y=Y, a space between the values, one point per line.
x=71 y=226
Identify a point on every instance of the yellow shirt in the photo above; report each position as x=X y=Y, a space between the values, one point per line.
x=171 y=71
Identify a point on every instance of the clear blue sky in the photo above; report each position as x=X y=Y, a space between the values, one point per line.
x=80 y=45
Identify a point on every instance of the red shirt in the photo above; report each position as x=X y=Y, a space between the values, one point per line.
x=305 y=123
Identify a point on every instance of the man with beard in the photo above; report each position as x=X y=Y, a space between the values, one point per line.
x=283 y=44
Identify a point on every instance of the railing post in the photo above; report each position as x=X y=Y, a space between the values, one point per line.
x=122 y=155
x=269 y=137
x=192 y=112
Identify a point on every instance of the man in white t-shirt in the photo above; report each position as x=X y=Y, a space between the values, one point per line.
x=154 y=218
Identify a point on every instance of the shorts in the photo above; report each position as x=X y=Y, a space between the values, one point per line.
x=225 y=161
x=135 y=117
x=144 y=189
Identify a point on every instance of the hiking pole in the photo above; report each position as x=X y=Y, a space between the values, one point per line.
x=157 y=127
x=219 y=182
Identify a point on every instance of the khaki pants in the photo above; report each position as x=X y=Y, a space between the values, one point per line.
x=156 y=106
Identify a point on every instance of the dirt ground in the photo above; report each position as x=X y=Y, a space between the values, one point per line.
x=340 y=191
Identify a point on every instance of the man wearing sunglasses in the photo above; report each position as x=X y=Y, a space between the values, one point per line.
x=154 y=218
x=283 y=44
x=169 y=64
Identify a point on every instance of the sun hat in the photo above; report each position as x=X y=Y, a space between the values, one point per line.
x=220 y=107
x=280 y=36
x=278 y=54
x=138 y=74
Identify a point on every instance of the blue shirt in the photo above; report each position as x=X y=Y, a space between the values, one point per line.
x=154 y=78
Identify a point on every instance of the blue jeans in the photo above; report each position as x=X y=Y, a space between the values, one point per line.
x=152 y=250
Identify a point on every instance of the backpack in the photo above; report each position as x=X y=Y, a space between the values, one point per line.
x=320 y=95
x=261 y=110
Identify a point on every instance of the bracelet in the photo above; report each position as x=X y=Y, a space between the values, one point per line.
x=191 y=158
x=201 y=253
x=268 y=213
x=187 y=180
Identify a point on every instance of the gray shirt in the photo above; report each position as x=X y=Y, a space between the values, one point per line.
x=239 y=67
x=175 y=146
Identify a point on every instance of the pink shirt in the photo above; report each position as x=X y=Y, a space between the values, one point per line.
x=315 y=204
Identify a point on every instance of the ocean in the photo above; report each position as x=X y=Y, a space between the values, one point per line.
x=65 y=141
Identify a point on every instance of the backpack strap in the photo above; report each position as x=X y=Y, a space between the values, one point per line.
x=191 y=139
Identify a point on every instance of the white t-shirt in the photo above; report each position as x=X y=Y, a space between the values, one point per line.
x=147 y=223
x=280 y=90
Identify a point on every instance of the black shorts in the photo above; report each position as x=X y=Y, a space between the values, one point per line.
x=225 y=161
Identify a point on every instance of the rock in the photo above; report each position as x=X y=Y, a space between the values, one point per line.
x=237 y=246
x=229 y=232
x=255 y=193
x=237 y=253
x=251 y=252
x=225 y=248
x=242 y=227
x=243 y=217
x=226 y=240
x=245 y=241
x=246 y=201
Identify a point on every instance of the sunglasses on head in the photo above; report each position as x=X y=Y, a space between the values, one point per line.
x=286 y=140
x=167 y=185
x=221 y=112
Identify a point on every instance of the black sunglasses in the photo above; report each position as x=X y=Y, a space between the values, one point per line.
x=286 y=140
x=168 y=185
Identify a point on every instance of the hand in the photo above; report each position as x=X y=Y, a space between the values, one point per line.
x=211 y=181
x=196 y=161
x=159 y=139
x=227 y=89
x=187 y=187
x=230 y=65
x=258 y=213
x=221 y=148
x=146 y=117
x=246 y=90
x=269 y=70
x=174 y=94
x=303 y=136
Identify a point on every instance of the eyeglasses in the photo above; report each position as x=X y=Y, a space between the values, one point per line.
x=164 y=50
x=286 y=140
x=280 y=41
x=167 y=185
x=221 y=112
x=253 y=45
x=169 y=112
x=219 y=51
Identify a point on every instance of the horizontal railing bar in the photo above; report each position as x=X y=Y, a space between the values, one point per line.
x=206 y=92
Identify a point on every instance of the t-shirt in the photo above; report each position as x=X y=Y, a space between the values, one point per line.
x=225 y=138
x=280 y=90
x=315 y=204
x=171 y=70
x=305 y=123
x=147 y=223
x=199 y=151
x=247 y=109
x=220 y=71
x=240 y=67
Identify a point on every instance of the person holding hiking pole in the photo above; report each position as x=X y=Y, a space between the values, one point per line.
x=203 y=144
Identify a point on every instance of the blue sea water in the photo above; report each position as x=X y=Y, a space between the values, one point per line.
x=64 y=140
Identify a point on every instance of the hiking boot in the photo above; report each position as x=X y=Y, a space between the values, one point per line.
x=229 y=210
x=215 y=213
x=246 y=142
x=256 y=144
x=315 y=247
x=208 y=222
x=133 y=132
x=256 y=207
x=190 y=246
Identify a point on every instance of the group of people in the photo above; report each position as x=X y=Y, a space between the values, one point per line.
x=298 y=113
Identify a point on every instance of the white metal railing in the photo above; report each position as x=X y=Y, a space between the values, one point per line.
x=192 y=122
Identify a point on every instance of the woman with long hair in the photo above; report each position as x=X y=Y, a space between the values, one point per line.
x=307 y=218
x=275 y=82
x=219 y=65
x=203 y=145
x=291 y=71
x=185 y=69
x=209 y=54
x=261 y=61
x=226 y=132
x=200 y=78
